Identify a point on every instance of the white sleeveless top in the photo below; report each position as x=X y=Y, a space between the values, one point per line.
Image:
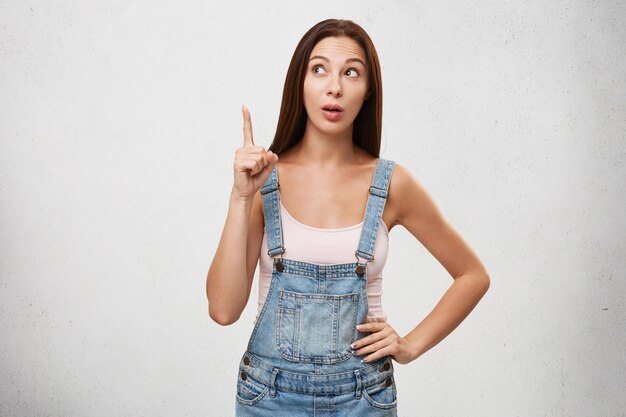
x=326 y=247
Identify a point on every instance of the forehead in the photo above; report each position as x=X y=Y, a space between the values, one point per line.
x=342 y=46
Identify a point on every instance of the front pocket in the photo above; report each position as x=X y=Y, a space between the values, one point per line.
x=316 y=328
x=382 y=395
x=250 y=390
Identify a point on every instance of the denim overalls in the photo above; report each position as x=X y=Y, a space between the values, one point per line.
x=298 y=361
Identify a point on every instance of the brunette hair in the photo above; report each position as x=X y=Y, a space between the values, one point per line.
x=292 y=118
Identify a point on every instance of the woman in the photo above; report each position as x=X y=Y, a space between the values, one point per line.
x=320 y=275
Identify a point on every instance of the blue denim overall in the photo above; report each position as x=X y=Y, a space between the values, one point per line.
x=298 y=361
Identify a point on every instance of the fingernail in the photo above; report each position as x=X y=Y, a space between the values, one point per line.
x=353 y=345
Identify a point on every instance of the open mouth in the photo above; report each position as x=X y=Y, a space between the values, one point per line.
x=334 y=108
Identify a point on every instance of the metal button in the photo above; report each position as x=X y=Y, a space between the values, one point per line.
x=244 y=376
x=279 y=266
x=246 y=361
x=388 y=381
x=359 y=270
x=385 y=367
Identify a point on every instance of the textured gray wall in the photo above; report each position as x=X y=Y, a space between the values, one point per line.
x=118 y=125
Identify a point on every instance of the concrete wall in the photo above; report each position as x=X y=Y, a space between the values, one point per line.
x=118 y=125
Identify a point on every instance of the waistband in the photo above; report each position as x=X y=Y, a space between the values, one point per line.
x=308 y=383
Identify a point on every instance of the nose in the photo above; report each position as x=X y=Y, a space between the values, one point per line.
x=334 y=87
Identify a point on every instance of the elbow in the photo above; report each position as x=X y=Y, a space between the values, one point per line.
x=221 y=318
x=486 y=283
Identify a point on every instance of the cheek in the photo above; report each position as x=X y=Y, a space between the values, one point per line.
x=307 y=91
x=363 y=90
x=358 y=98
x=311 y=94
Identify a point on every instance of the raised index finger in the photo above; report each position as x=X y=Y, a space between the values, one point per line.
x=248 y=140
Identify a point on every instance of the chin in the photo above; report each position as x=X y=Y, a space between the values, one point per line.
x=336 y=129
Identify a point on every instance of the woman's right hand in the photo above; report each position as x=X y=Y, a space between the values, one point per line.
x=253 y=164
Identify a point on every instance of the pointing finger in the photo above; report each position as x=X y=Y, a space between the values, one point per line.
x=248 y=140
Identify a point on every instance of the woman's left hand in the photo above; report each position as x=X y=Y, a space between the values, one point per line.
x=382 y=342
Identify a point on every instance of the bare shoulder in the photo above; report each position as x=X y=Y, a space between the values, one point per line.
x=408 y=198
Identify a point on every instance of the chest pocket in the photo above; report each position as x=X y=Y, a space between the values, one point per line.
x=316 y=328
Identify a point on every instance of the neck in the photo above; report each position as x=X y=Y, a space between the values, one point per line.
x=326 y=150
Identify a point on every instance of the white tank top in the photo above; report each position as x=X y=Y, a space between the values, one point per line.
x=327 y=246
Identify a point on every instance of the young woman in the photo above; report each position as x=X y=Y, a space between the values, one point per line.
x=321 y=344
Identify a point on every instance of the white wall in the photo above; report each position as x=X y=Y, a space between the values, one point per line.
x=118 y=125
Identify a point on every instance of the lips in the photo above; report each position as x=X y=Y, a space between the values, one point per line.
x=335 y=108
x=332 y=112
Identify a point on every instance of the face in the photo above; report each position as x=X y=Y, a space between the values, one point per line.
x=336 y=76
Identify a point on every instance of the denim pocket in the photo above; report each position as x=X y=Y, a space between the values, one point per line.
x=316 y=328
x=249 y=389
x=382 y=395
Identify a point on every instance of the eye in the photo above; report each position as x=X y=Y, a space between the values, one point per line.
x=354 y=71
x=315 y=67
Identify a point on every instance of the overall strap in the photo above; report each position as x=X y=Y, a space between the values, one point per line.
x=375 y=205
x=271 y=213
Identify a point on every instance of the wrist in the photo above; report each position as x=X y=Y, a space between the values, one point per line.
x=416 y=347
x=238 y=200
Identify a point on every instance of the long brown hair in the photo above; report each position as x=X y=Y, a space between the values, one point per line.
x=292 y=118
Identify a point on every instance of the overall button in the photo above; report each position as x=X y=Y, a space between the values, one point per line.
x=244 y=376
x=279 y=266
x=359 y=270
x=388 y=381
x=385 y=367
x=246 y=361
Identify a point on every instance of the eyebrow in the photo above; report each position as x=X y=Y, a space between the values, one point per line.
x=347 y=60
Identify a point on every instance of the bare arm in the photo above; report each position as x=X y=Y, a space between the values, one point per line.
x=421 y=217
x=230 y=275
x=418 y=213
